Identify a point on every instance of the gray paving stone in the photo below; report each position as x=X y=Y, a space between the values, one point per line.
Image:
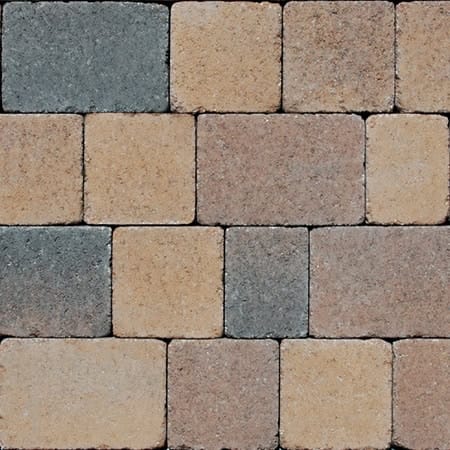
x=55 y=281
x=266 y=282
x=81 y=57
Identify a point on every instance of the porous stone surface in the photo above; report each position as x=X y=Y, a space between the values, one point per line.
x=55 y=281
x=140 y=168
x=223 y=394
x=40 y=170
x=84 y=56
x=225 y=56
x=82 y=393
x=423 y=77
x=167 y=282
x=338 y=56
x=379 y=281
x=422 y=393
x=280 y=169
x=407 y=169
x=266 y=282
x=335 y=394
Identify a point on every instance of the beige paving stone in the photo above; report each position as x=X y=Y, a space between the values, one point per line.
x=423 y=57
x=380 y=281
x=223 y=394
x=335 y=394
x=280 y=169
x=82 y=393
x=167 y=282
x=139 y=169
x=225 y=56
x=40 y=170
x=338 y=56
x=407 y=169
x=422 y=393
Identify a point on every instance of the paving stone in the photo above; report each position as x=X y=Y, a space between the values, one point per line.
x=422 y=394
x=338 y=56
x=266 y=282
x=55 y=281
x=140 y=169
x=83 y=393
x=167 y=282
x=335 y=394
x=85 y=56
x=225 y=56
x=423 y=33
x=41 y=169
x=280 y=169
x=379 y=281
x=407 y=173
x=223 y=394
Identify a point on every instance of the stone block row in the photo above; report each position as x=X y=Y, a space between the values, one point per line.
x=249 y=282
x=239 y=56
x=232 y=169
x=223 y=393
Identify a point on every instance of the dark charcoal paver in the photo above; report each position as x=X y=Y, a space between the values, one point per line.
x=80 y=57
x=266 y=282
x=55 y=281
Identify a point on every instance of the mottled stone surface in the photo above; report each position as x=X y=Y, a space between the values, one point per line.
x=380 y=281
x=85 y=56
x=423 y=74
x=40 y=170
x=422 y=394
x=167 y=282
x=407 y=169
x=266 y=282
x=335 y=394
x=82 y=393
x=280 y=169
x=140 y=168
x=55 y=281
x=223 y=394
x=225 y=56
x=338 y=56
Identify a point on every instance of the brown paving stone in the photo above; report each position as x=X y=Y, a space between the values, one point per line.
x=40 y=170
x=102 y=393
x=139 y=168
x=280 y=169
x=422 y=394
x=335 y=394
x=225 y=56
x=423 y=60
x=338 y=56
x=380 y=281
x=223 y=394
x=167 y=282
x=407 y=171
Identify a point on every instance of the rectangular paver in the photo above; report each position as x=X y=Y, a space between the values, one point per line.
x=140 y=168
x=85 y=56
x=266 y=282
x=335 y=394
x=167 y=281
x=223 y=394
x=280 y=169
x=407 y=169
x=55 y=281
x=41 y=169
x=82 y=393
x=380 y=281
x=338 y=56
x=422 y=394
x=225 y=56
